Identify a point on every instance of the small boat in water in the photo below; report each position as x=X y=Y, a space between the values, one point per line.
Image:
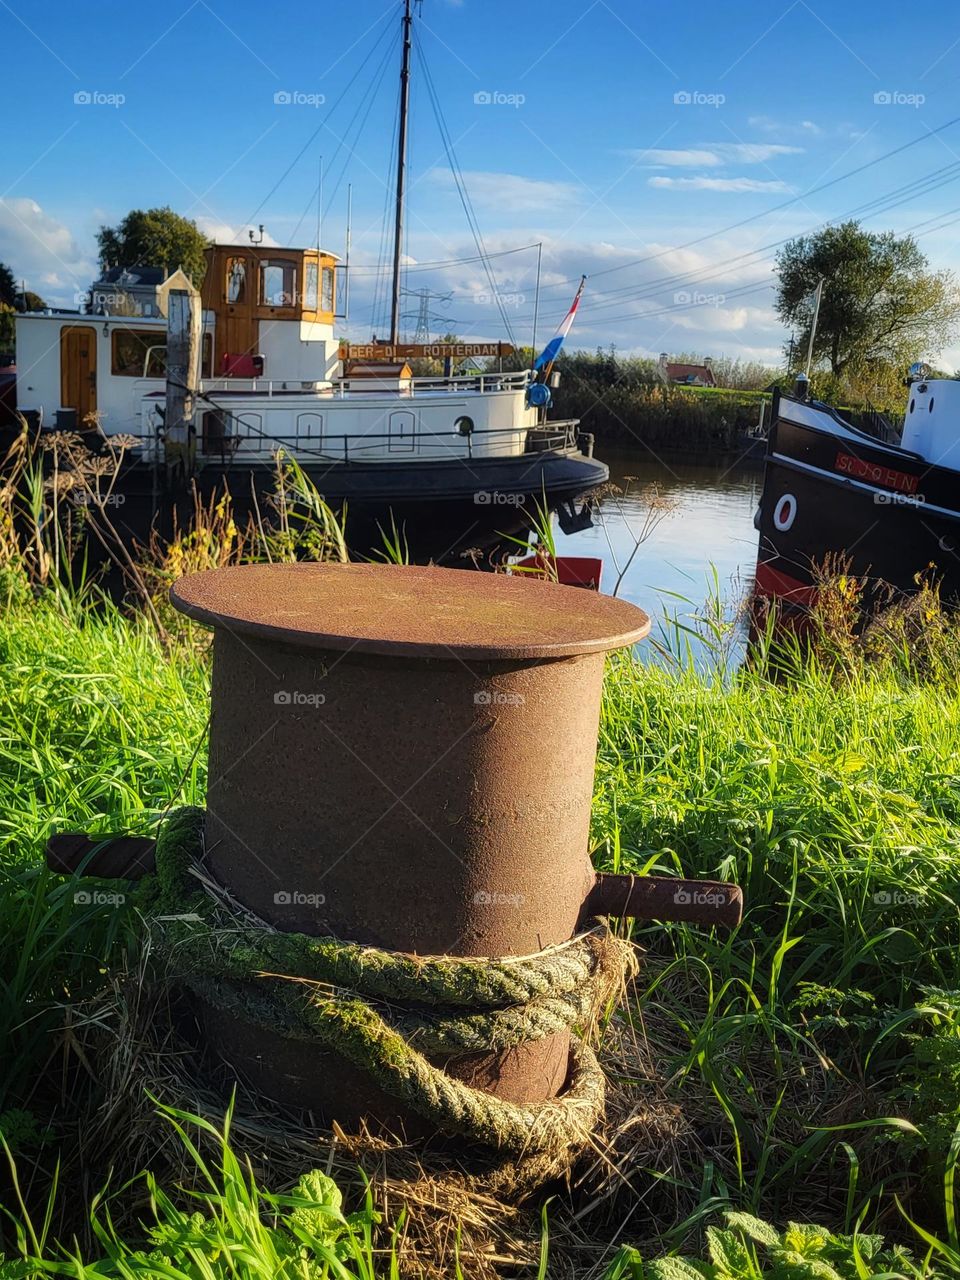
x=891 y=511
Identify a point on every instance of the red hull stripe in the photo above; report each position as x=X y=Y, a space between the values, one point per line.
x=774 y=582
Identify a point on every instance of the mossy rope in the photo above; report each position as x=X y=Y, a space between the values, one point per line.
x=356 y=1001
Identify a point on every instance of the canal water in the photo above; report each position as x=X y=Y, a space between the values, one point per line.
x=698 y=540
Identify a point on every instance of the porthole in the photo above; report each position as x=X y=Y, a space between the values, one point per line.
x=912 y=404
x=785 y=513
x=948 y=544
x=931 y=404
x=464 y=426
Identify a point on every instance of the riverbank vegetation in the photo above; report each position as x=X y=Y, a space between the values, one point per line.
x=625 y=403
x=803 y=1069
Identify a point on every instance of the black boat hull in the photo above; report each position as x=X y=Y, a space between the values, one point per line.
x=830 y=490
x=439 y=508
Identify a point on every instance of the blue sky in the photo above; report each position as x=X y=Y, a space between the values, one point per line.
x=614 y=132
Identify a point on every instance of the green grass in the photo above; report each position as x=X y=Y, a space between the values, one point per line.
x=815 y=1051
x=838 y=811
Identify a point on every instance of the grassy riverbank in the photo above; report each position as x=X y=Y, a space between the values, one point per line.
x=805 y=1068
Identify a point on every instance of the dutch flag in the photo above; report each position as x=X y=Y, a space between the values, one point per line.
x=552 y=349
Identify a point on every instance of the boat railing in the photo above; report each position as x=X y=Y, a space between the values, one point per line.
x=341 y=388
x=232 y=434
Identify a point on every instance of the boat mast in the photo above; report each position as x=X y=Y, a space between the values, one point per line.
x=401 y=172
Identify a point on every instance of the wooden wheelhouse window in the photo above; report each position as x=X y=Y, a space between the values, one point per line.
x=237 y=281
x=326 y=300
x=131 y=349
x=278 y=283
x=311 y=287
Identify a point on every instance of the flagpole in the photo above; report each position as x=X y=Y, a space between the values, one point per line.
x=536 y=307
x=813 y=324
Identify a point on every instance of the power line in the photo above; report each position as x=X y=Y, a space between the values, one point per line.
x=879 y=204
x=872 y=207
x=453 y=262
x=784 y=204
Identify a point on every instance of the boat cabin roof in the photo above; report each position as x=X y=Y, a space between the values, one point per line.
x=269 y=250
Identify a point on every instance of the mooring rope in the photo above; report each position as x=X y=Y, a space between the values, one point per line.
x=353 y=1000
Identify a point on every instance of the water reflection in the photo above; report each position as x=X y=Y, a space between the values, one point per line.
x=707 y=530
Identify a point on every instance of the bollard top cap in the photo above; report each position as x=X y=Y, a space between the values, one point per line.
x=410 y=611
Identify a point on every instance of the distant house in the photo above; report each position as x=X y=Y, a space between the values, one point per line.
x=687 y=375
x=135 y=291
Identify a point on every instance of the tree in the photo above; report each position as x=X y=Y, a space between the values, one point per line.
x=8 y=286
x=881 y=308
x=29 y=301
x=13 y=298
x=7 y=330
x=154 y=238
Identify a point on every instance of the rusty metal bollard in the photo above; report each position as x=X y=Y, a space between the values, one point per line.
x=404 y=757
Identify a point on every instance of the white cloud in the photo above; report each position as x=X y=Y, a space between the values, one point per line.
x=42 y=251
x=719 y=184
x=225 y=233
x=712 y=154
x=786 y=129
x=724 y=319
x=680 y=159
x=510 y=192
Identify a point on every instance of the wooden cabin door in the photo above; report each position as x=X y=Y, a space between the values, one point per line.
x=78 y=370
x=239 y=332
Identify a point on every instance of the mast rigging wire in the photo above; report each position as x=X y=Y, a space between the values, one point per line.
x=462 y=188
x=321 y=125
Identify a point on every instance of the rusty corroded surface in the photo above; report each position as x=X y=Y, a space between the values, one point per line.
x=664 y=898
x=404 y=757
x=410 y=611
x=710 y=902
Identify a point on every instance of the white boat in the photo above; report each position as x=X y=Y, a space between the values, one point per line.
x=269 y=375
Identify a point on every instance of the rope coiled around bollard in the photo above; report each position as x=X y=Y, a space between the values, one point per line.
x=353 y=1000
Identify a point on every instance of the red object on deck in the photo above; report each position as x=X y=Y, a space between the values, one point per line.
x=572 y=571
x=241 y=366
